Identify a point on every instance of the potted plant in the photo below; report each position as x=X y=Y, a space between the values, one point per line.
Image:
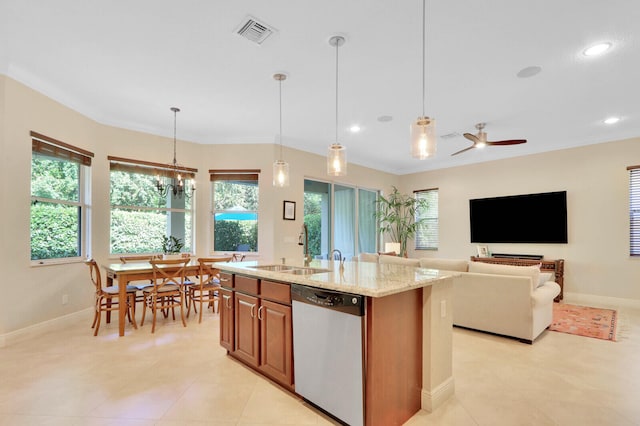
x=171 y=247
x=397 y=217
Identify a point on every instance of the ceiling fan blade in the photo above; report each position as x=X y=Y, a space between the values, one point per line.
x=466 y=149
x=508 y=142
x=473 y=138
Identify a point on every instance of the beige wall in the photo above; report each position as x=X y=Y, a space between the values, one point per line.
x=597 y=261
x=33 y=294
x=596 y=181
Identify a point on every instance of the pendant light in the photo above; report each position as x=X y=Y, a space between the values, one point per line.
x=280 y=167
x=337 y=156
x=174 y=183
x=423 y=130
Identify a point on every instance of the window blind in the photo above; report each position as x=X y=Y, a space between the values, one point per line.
x=50 y=147
x=148 y=168
x=427 y=235
x=634 y=210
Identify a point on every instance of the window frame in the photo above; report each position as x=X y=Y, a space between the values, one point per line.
x=634 y=211
x=232 y=174
x=155 y=169
x=332 y=214
x=433 y=219
x=47 y=147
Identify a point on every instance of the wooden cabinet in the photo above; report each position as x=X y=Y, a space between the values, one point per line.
x=227 y=329
x=276 y=344
x=247 y=329
x=256 y=328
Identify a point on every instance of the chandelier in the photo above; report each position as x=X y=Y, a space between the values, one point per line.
x=174 y=183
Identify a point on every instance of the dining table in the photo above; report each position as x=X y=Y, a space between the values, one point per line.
x=123 y=273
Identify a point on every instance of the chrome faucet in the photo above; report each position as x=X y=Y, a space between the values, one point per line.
x=339 y=255
x=340 y=258
x=303 y=240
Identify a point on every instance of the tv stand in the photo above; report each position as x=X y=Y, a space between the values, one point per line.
x=546 y=265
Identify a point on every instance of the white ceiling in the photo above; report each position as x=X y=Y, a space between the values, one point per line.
x=125 y=63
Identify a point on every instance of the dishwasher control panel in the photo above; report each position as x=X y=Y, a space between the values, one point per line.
x=343 y=302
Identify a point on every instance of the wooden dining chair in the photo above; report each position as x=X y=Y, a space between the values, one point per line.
x=167 y=292
x=207 y=289
x=106 y=298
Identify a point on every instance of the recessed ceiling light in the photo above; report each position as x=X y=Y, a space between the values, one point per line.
x=611 y=120
x=354 y=129
x=529 y=71
x=597 y=49
x=385 y=118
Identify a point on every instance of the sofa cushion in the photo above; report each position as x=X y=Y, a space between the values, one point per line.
x=445 y=264
x=399 y=260
x=368 y=257
x=490 y=268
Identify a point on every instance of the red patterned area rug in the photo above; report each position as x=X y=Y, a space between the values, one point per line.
x=584 y=321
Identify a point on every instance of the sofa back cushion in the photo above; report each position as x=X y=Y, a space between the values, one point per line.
x=399 y=260
x=368 y=257
x=489 y=268
x=445 y=264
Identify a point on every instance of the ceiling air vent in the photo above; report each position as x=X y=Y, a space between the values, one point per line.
x=450 y=135
x=254 y=30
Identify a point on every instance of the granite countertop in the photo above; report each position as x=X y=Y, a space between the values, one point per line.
x=363 y=278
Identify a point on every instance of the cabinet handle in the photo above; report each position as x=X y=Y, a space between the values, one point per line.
x=260 y=312
x=253 y=315
x=227 y=302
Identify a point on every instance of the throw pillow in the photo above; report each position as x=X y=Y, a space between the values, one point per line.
x=544 y=277
x=369 y=257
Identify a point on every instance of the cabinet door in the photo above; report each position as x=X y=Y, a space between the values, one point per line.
x=276 y=347
x=247 y=328
x=226 y=319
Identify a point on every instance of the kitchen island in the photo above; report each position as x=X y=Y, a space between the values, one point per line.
x=407 y=328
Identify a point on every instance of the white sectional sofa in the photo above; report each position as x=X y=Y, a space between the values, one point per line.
x=515 y=301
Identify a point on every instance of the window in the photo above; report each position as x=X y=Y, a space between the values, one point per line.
x=340 y=217
x=59 y=199
x=140 y=216
x=428 y=232
x=235 y=210
x=634 y=210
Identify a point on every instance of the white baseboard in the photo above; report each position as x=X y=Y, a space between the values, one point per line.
x=432 y=399
x=600 y=301
x=43 y=327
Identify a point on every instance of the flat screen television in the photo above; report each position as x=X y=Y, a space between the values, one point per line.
x=530 y=218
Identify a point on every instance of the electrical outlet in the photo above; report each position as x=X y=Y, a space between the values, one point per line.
x=443 y=308
x=65 y=299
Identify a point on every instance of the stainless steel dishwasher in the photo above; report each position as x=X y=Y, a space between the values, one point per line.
x=328 y=351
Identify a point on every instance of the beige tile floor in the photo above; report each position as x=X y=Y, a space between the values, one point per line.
x=181 y=376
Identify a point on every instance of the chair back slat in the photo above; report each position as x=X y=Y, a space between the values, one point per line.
x=167 y=272
x=207 y=271
x=139 y=258
x=96 y=278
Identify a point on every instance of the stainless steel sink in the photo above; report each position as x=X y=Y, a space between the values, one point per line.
x=273 y=267
x=306 y=271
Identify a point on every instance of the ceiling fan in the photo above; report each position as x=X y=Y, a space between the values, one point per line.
x=480 y=140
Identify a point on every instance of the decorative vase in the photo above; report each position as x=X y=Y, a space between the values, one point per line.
x=171 y=256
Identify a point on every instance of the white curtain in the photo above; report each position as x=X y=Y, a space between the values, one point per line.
x=367 y=232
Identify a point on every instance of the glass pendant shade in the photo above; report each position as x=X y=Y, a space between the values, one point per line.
x=337 y=160
x=423 y=138
x=280 y=173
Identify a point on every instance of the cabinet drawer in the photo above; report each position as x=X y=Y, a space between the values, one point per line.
x=246 y=285
x=276 y=291
x=226 y=280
